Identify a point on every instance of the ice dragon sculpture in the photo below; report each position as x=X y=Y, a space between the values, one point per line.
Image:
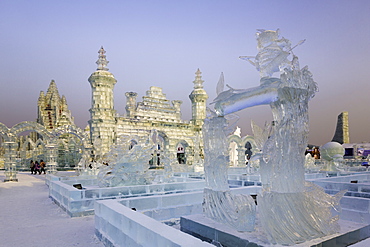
x=291 y=210
x=129 y=165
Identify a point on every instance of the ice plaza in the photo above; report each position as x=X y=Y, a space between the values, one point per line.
x=152 y=179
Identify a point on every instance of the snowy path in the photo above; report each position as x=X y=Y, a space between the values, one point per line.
x=29 y=218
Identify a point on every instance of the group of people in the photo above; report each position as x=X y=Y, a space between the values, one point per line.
x=37 y=167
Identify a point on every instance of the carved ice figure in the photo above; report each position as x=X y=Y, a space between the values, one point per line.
x=238 y=211
x=253 y=166
x=128 y=167
x=332 y=154
x=309 y=163
x=197 y=165
x=272 y=53
x=165 y=175
x=128 y=164
x=291 y=210
x=85 y=166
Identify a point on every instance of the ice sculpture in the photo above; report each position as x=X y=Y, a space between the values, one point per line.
x=309 y=164
x=238 y=211
x=165 y=175
x=86 y=167
x=291 y=210
x=128 y=167
x=332 y=153
x=128 y=164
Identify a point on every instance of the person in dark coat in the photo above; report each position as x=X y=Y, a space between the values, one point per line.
x=32 y=166
x=42 y=167
x=37 y=167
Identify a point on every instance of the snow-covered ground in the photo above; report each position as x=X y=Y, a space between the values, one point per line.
x=29 y=218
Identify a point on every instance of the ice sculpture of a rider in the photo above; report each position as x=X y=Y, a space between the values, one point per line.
x=290 y=210
x=272 y=53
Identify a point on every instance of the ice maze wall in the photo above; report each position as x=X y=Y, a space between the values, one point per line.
x=78 y=202
x=117 y=225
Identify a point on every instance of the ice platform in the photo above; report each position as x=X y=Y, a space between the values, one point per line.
x=207 y=230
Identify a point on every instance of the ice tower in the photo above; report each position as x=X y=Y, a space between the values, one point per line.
x=102 y=114
x=198 y=99
x=155 y=111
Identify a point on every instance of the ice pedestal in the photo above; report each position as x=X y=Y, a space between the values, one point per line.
x=292 y=218
x=209 y=230
x=239 y=211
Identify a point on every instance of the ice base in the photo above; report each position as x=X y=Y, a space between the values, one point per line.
x=292 y=218
x=207 y=229
x=238 y=211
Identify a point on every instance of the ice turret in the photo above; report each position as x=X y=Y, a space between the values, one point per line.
x=102 y=121
x=130 y=103
x=102 y=60
x=198 y=99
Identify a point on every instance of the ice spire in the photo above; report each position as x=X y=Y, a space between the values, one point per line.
x=52 y=91
x=102 y=61
x=198 y=83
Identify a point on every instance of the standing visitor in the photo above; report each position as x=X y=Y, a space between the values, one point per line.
x=42 y=167
x=37 y=167
x=32 y=166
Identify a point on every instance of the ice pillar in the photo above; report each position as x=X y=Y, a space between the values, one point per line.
x=10 y=161
x=241 y=156
x=52 y=155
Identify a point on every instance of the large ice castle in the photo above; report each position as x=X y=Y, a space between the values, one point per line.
x=155 y=111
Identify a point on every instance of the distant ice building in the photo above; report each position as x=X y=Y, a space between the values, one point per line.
x=55 y=131
x=52 y=115
x=341 y=134
x=52 y=110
